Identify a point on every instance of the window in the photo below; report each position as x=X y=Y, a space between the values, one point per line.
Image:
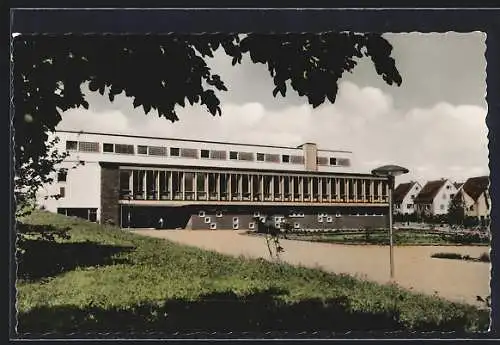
x=413 y=197
x=62 y=192
x=233 y=155
x=345 y=162
x=272 y=158
x=71 y=145
x=214 y=154
x=157 y=151
x=442 y=206
x=260 y=157
x=245 y=156
x=174 y=152
x=124 y=149
x=205 y=153
x=61 y=175
x=189 y=153
x=297 y=159
x=471 y=208
x=322 y=160
x=333 y=161
x=451 y=196
x=88 y=147
x=410 y=206
x=107 y=148
x=142 y=150
x=447 y=187
x=285 y=158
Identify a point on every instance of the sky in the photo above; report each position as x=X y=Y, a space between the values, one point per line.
x=433 y=124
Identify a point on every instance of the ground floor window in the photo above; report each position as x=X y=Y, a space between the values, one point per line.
x=84 y=213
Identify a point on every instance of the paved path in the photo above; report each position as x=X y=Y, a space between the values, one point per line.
x=414 y=268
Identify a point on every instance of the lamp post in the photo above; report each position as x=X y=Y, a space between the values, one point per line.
x=390 y=171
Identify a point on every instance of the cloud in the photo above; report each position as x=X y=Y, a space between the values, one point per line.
x=440 y=141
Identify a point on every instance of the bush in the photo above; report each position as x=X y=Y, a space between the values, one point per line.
x=485 y=257
x=447 y=256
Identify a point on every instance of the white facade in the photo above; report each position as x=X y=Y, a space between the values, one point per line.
x=145 y=159
x=407 y=205
x=441 y=202
x=82 y=185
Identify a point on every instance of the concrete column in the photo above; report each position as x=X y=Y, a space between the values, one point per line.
x=329 y=189
x=240 y=186
x=271 y=187
x=301 y=188
x=282 y=187
x=250 y=180
x=170 y=175
x=363 y=190
x=158 y=185
x=355 y=186
x=217 y=187
x=144 y=189
x=261 y=187
x=229 y=182
x=131 y=183
x=206 y=187
x=337 y=189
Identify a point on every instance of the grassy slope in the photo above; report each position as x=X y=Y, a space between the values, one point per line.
x=107 y=279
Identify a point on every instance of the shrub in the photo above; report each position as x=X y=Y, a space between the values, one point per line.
x=447 y=256
x=485 y=257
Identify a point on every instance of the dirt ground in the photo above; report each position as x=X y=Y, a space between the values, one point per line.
x=454 y=280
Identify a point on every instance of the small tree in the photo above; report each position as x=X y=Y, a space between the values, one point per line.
x=456 y=211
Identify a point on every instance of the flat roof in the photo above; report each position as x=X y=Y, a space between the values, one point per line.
x=192 y=140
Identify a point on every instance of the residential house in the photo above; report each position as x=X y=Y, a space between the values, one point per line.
x=434 y=198
x=476 y=196
x=404 y=196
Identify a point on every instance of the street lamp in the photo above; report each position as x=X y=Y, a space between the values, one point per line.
x=390 y=171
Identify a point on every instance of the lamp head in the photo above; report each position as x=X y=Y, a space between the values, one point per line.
x=390 y=170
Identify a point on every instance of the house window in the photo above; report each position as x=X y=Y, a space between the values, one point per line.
x=409 y=206
x=71 y=145
x=413 y=197
x=174 y=152
x=345 y=162
x=333 y=161
x=442 y=206
x=61 y=175
x=447 y=187
x=62 y=192
x=285 y=158
x=142 y=150
x=233 y=155
x=471 y=208
x=260 y=157
x=205 y=153
x=451 y=196
x=108 y=148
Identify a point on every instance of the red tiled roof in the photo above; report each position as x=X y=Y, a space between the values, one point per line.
x=475 y=186
x=401 y=191
x=429 y=192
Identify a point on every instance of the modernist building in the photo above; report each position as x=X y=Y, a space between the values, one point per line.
x=134 y=181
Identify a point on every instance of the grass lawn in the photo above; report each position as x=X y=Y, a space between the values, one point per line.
x=400 y=237
x=106 y=279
